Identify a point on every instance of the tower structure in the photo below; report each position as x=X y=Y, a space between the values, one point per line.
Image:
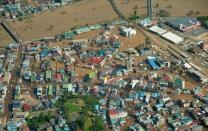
x=150 y=8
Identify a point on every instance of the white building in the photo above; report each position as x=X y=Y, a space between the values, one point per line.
x=127 y=32
x=172 y=37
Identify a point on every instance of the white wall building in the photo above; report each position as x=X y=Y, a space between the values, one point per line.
x=127 y=32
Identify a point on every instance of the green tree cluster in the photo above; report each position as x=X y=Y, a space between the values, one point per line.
x=35 y=122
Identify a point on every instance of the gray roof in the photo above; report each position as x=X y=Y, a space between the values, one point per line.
x=177 y=22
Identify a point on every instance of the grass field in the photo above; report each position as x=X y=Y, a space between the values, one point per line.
x=72 y=107
x=63 y=19
x=5 y=38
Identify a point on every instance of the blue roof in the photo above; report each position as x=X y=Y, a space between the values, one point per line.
x=44 y=53
x=16 y=104
x=141 y=93
x=154 y=94
x=11 y=126
x=151 y=62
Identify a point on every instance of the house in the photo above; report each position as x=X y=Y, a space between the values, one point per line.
x=145 y=22
x=183 y=24
x=17 y=92
x=205 y=46
x=184 y=103
x=16 y=106
x=127 y=32
x=68 y=35
x=26 y=63
x=152 y=62
x=186 y=120
x=82 y=30
x=27 y=107
x=3 y=91
x=160 y=120
x=197 y=90
x=68 y=87
x=50 y=90
x=117 y=114
x=197 y=128
x=134 y=83
x=1 y=105
x=39 y=91
x=11 y=126
x=48 y=75
x=98 y=61
x=196 y=75
x=20 y=115
x=33 y=77
x=95 y=27
x=179 y=83
x=7 y=77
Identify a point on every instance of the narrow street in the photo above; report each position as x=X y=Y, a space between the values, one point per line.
x=14 y=77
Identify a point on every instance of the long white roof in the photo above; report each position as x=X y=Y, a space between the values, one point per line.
x=172 y=37
x=157 y=30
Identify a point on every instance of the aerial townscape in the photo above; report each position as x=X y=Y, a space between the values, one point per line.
x=103 y=65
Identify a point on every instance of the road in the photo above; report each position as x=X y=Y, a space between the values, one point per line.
x=119 y=13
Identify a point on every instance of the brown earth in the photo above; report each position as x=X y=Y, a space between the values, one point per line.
x=63 y=19
x=174 y=7
x=5 y=39
x=92 y=11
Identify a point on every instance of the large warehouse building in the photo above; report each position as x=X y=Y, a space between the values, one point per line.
x=183 y=24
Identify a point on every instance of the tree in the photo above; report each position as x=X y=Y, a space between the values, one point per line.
x=135 y=9
x=147 y=40
x=163 y=13
x=98 y=124
x=169 y=6
x=190 y=13
x=197 y=12
x=157 y=5
x=80 y=122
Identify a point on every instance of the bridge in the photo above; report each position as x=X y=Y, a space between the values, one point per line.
x=17 y=38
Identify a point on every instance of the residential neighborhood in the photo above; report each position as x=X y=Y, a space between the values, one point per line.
x=145 y=74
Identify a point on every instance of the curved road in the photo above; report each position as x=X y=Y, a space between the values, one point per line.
x=115 y=8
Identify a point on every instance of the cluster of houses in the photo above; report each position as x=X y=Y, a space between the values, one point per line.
x=151 y=106
x=128 y=88
x=13 y=9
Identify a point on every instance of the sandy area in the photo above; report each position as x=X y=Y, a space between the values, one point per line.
x=175 y=7
x=5 y=39
x=63 y=19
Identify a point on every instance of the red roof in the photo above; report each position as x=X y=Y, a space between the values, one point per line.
x=96 y=60
x=166 y=78
x=205 y=46
x=112 y=112
x=57 y=76
x=27 y=107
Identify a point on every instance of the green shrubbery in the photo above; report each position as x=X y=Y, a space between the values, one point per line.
x=204 y=20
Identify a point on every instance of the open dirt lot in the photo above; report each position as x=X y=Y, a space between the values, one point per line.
x=60 y=20
x=175 y=7
x=5 y=39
